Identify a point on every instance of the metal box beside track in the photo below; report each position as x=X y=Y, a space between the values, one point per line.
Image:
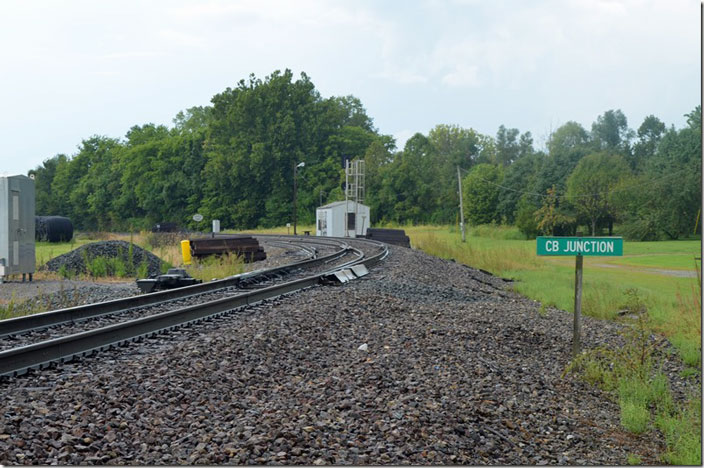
x=17 y=251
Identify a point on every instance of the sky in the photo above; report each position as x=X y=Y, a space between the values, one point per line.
x=73 y=69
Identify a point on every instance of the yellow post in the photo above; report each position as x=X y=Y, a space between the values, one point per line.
x=186 y=252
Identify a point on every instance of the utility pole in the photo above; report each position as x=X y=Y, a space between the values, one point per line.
x=295 y=189
x=459 y=183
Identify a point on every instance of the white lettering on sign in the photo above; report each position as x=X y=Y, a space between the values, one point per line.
x=552 y=246
x=589 y=246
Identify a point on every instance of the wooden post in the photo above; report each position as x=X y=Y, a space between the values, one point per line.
x=577 y=324
x=294 y=197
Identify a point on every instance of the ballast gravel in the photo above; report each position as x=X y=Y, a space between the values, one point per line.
x=132 y=256
x=421 y=362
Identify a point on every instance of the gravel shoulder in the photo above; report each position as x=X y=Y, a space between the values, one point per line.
x=457 y=370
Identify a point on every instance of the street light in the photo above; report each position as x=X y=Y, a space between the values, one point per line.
x=295 y=189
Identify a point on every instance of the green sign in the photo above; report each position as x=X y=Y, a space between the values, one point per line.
x=584 y=246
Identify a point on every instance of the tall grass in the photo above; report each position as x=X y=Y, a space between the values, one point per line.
x=216 y=266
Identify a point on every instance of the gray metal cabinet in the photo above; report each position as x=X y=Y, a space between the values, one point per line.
x=17 y=250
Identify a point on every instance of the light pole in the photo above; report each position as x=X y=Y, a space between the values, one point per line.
x=295 y=189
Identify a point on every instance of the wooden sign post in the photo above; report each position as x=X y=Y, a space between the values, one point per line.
x=579 y=247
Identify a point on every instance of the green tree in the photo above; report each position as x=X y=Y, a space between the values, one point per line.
x=525 y=218
x=566 y=146
x=649 y=134
x=672 y=181
x=452 y=147
x=481 y=189
x=590 y=184
x=610 y=132
x=46 y=201
x=552 y=218
x=519 y=178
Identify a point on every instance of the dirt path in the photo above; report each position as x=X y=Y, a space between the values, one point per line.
x=655 y=271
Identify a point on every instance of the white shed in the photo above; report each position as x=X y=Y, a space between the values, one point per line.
x=330 y=219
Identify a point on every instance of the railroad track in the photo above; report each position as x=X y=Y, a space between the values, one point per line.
x=41 y=340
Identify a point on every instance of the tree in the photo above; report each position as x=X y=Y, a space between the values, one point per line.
x=590 y=184
x=194 y=119
x=507 y=147
x=610 y=132
x=46 y=202
x=551 y=217
x=650 y=133
x=481 y=189
x=525 y=217
x=452 y=146
x=566 y=146
x=673 y=180
x=519 y=178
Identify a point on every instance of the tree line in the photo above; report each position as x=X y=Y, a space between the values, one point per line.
x=234 y=159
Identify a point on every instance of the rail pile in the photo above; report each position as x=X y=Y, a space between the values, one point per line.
x=245 y=246
x=389 y=236
x=250 y=288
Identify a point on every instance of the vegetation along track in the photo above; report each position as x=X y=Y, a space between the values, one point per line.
x=39 y=340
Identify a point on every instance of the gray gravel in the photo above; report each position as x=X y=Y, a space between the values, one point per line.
x=41 y=295
x=457 y=370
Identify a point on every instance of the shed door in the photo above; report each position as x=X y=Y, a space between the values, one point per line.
x=323 y=222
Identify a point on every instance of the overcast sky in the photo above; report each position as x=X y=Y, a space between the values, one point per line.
x=73 y=69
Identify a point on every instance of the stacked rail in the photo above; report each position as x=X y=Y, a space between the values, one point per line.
x=389 y=236
x=245 y=246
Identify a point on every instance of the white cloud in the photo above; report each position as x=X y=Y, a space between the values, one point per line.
x=463 y=75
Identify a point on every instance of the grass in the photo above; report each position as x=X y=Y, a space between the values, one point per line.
x=216 y=267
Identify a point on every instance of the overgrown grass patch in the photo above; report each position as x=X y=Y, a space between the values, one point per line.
x=683 y=433
x=216 y=266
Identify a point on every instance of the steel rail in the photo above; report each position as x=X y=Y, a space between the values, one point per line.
x=39 y=355
x=18 y=325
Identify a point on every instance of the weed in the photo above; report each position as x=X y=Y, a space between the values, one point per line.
x=8 y=311
x=64 y=272
x=641 y=392
x=143 y=269
x=634 y=417
x=130 y=258
x=117 y=267
x=634 y=460
x=690 y=372
x=97 y=267
x=216 y=267
x=682 y=430
x=543 y=310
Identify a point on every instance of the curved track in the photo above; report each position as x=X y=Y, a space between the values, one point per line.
x=39 y=340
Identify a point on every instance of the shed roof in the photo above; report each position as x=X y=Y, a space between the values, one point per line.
x=338 y=203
